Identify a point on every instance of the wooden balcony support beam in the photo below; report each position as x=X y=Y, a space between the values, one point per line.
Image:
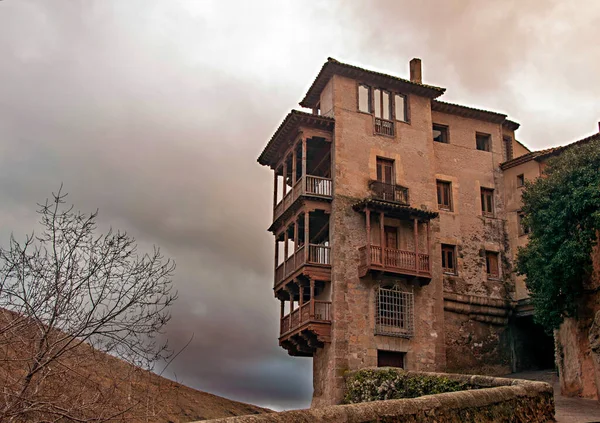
x=368 y=218
x=304 y=153
x=381 y=231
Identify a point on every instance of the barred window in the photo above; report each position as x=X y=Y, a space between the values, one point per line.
x=394 y=312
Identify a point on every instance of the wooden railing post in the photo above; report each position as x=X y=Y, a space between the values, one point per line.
x=282 y=309
x=304 y=160
x=294 y=165
x=295 y=237
x=382 y=238
x=276 y=255
x=416 y=234
x=312 y=299
x=285 y=252
x=284 y=178
x=428 y=246
x=274 y=192
x=291 y=294
x=306 y=235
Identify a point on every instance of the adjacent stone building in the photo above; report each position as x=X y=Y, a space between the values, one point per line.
x=395 y=218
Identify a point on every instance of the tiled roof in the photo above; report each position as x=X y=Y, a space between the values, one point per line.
x=394 y=209
x=281 y=136
x=333 y=67
x=471 y=112
x=540 y=154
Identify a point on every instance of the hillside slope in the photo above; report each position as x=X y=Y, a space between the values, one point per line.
x=87 y=385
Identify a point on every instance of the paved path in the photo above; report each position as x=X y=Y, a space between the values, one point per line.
x=568 y=410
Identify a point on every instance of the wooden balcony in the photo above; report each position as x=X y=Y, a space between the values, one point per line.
x=317 y=259
x=389 y=192
x=313 y=186
x=306 y=328
x=384 y=127
x=393 y=261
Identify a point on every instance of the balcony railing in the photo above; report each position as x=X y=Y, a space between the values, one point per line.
x=383 y=126
x=311 y=311
x=308 y=185
x=317 y=255
x=389 y=192
x=392 y=259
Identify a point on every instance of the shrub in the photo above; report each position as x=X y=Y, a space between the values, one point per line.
x=385 y=384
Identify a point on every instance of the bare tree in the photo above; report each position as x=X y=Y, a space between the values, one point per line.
x=71 y=299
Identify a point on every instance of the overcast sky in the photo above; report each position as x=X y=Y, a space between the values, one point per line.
x=154 y=111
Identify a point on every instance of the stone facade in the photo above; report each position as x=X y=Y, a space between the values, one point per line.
x=462 y=319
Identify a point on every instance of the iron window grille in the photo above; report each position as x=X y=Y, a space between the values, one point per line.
x=394 y=312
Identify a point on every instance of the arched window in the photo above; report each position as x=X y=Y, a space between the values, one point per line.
x=394 y=312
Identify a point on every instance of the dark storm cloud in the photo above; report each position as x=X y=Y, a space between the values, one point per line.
x=154 y=111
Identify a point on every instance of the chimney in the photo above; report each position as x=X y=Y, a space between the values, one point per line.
x=415 y=71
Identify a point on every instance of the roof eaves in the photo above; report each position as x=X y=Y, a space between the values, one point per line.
x=332 y=67
x=469 y=112
x=291 y=121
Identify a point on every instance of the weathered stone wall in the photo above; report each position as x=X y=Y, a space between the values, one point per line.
x=504 y=400
x=578 y=343
x=442 y=339
x=531 y=170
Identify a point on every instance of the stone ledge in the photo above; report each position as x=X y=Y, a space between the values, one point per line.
x=500 y=399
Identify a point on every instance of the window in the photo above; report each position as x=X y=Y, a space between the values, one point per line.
x=508 y=147
x=491 y=264
x=523 y=228
x=400 y=106
x=444 y=195
x=394 y=312
x=390 y=358
x=440 y=133
x=483 y=141
x=487 y=201
x=520 y=180
x=364 y=98
x=378 y=102
x=449 y=259
x=382 y=104
x=385 y=170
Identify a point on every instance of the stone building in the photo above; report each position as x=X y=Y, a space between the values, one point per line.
x=395 y=218
x=577 y=340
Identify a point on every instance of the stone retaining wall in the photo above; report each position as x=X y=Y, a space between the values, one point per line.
x=499 y=400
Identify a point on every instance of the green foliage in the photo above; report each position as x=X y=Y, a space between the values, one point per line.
x=384 y=384
x=562 y=209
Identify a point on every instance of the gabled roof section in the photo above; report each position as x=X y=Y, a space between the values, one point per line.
x=290 y=124
x=512 y=126
x=543 y=154
x=473 y=113
x=333 y=67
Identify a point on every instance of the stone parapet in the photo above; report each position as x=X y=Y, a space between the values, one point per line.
x=498 y=400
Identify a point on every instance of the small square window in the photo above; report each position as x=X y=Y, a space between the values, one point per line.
x=444 y=195
x=483 y=141
x=523 y=228
x=440 y=133
x=449 y=259
x=520 y=180
x=390 y=359
x=487 y=202
x=491 y=264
